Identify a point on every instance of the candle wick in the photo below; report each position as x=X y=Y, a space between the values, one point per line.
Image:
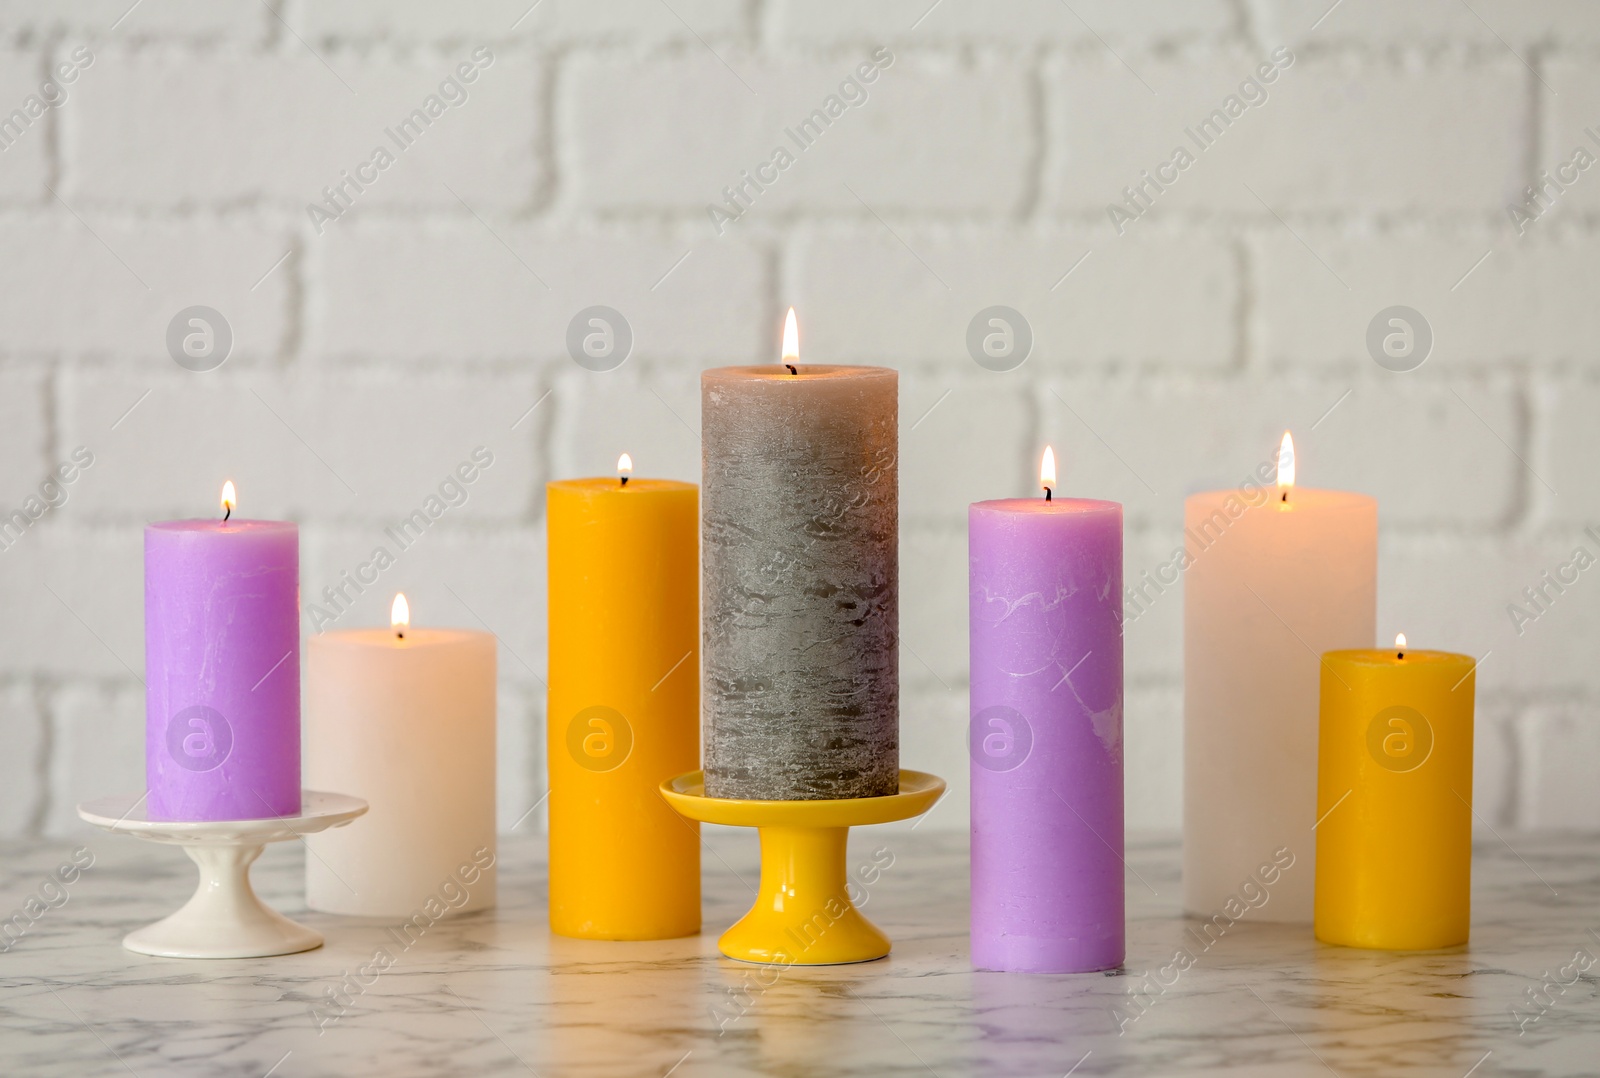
x=399 y=635
x=1399 y=654
x=1285 y=496
x=792 y=370
x=227 y=511
x=624 y=480
x=1046 y=493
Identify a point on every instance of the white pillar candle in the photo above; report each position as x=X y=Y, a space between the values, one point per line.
x=1274 y=578
x=404 y=718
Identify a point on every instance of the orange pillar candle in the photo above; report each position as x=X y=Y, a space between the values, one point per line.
x=1394 y=799
x=624 y=705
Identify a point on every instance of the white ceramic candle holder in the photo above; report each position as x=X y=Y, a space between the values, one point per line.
x=224 y=919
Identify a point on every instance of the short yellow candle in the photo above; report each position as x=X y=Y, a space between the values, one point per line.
x=624 y=706
x=1394 y=799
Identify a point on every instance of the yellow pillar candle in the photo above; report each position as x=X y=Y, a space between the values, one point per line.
x=624 y=706
x=1394 y=799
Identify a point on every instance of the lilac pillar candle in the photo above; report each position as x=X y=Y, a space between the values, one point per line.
x=222 y=669
x=1046 y=735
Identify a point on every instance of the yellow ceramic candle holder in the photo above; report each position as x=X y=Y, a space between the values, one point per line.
x=803 y=914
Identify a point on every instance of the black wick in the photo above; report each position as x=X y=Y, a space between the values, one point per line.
x=792 y=370
x=624 y=480
x=399 y=634
x=1285 y=496
x=1046 y=493
x=227 y=511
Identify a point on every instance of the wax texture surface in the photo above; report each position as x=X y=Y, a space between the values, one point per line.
x=409 y=726
x=800 y=540
x=1046 y=735
x=1268 y=588
x=222 y=669
x=1394 y=796
x=624 y=706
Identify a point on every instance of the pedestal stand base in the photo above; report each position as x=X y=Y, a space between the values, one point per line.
x=224 y=918
x=803 y=914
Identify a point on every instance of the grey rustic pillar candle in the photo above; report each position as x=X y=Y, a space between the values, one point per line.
x=800 y=548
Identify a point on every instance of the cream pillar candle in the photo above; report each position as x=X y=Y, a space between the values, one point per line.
x=404 y=718
x=1273 y=579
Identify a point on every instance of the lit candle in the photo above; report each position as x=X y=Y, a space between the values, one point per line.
x=405 y=718
x=1046 y=732
x=801 y=542
x=1274 y=578
x=1394 y=798
x=624 y=705
x=222 y=667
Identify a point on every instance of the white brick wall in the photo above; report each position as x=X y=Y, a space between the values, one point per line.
x=932 y=136
x=372 y=355
x=168 y=128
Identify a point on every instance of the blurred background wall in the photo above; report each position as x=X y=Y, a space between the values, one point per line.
x=174 y=154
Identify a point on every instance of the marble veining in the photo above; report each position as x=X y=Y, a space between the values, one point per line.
x=494 y=993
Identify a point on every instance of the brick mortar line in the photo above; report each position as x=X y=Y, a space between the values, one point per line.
x=949 y=366
x=1246 y=357
x=264 y=216
x=1472 y=44
x=44 y=761
x=1528 y=389
x=969 y=51
x=1111 y=377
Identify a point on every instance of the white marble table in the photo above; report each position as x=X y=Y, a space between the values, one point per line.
x=496 y=994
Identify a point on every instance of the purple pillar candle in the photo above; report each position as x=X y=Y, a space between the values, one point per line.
x=222 y=669
x=1046 y=735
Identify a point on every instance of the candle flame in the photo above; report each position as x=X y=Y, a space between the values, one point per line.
x=1047 y=469
x=1399 y=641
x=791 y=338
x=230 y=498
x=624 y=465
x=400 y=614
x=1285 y=466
